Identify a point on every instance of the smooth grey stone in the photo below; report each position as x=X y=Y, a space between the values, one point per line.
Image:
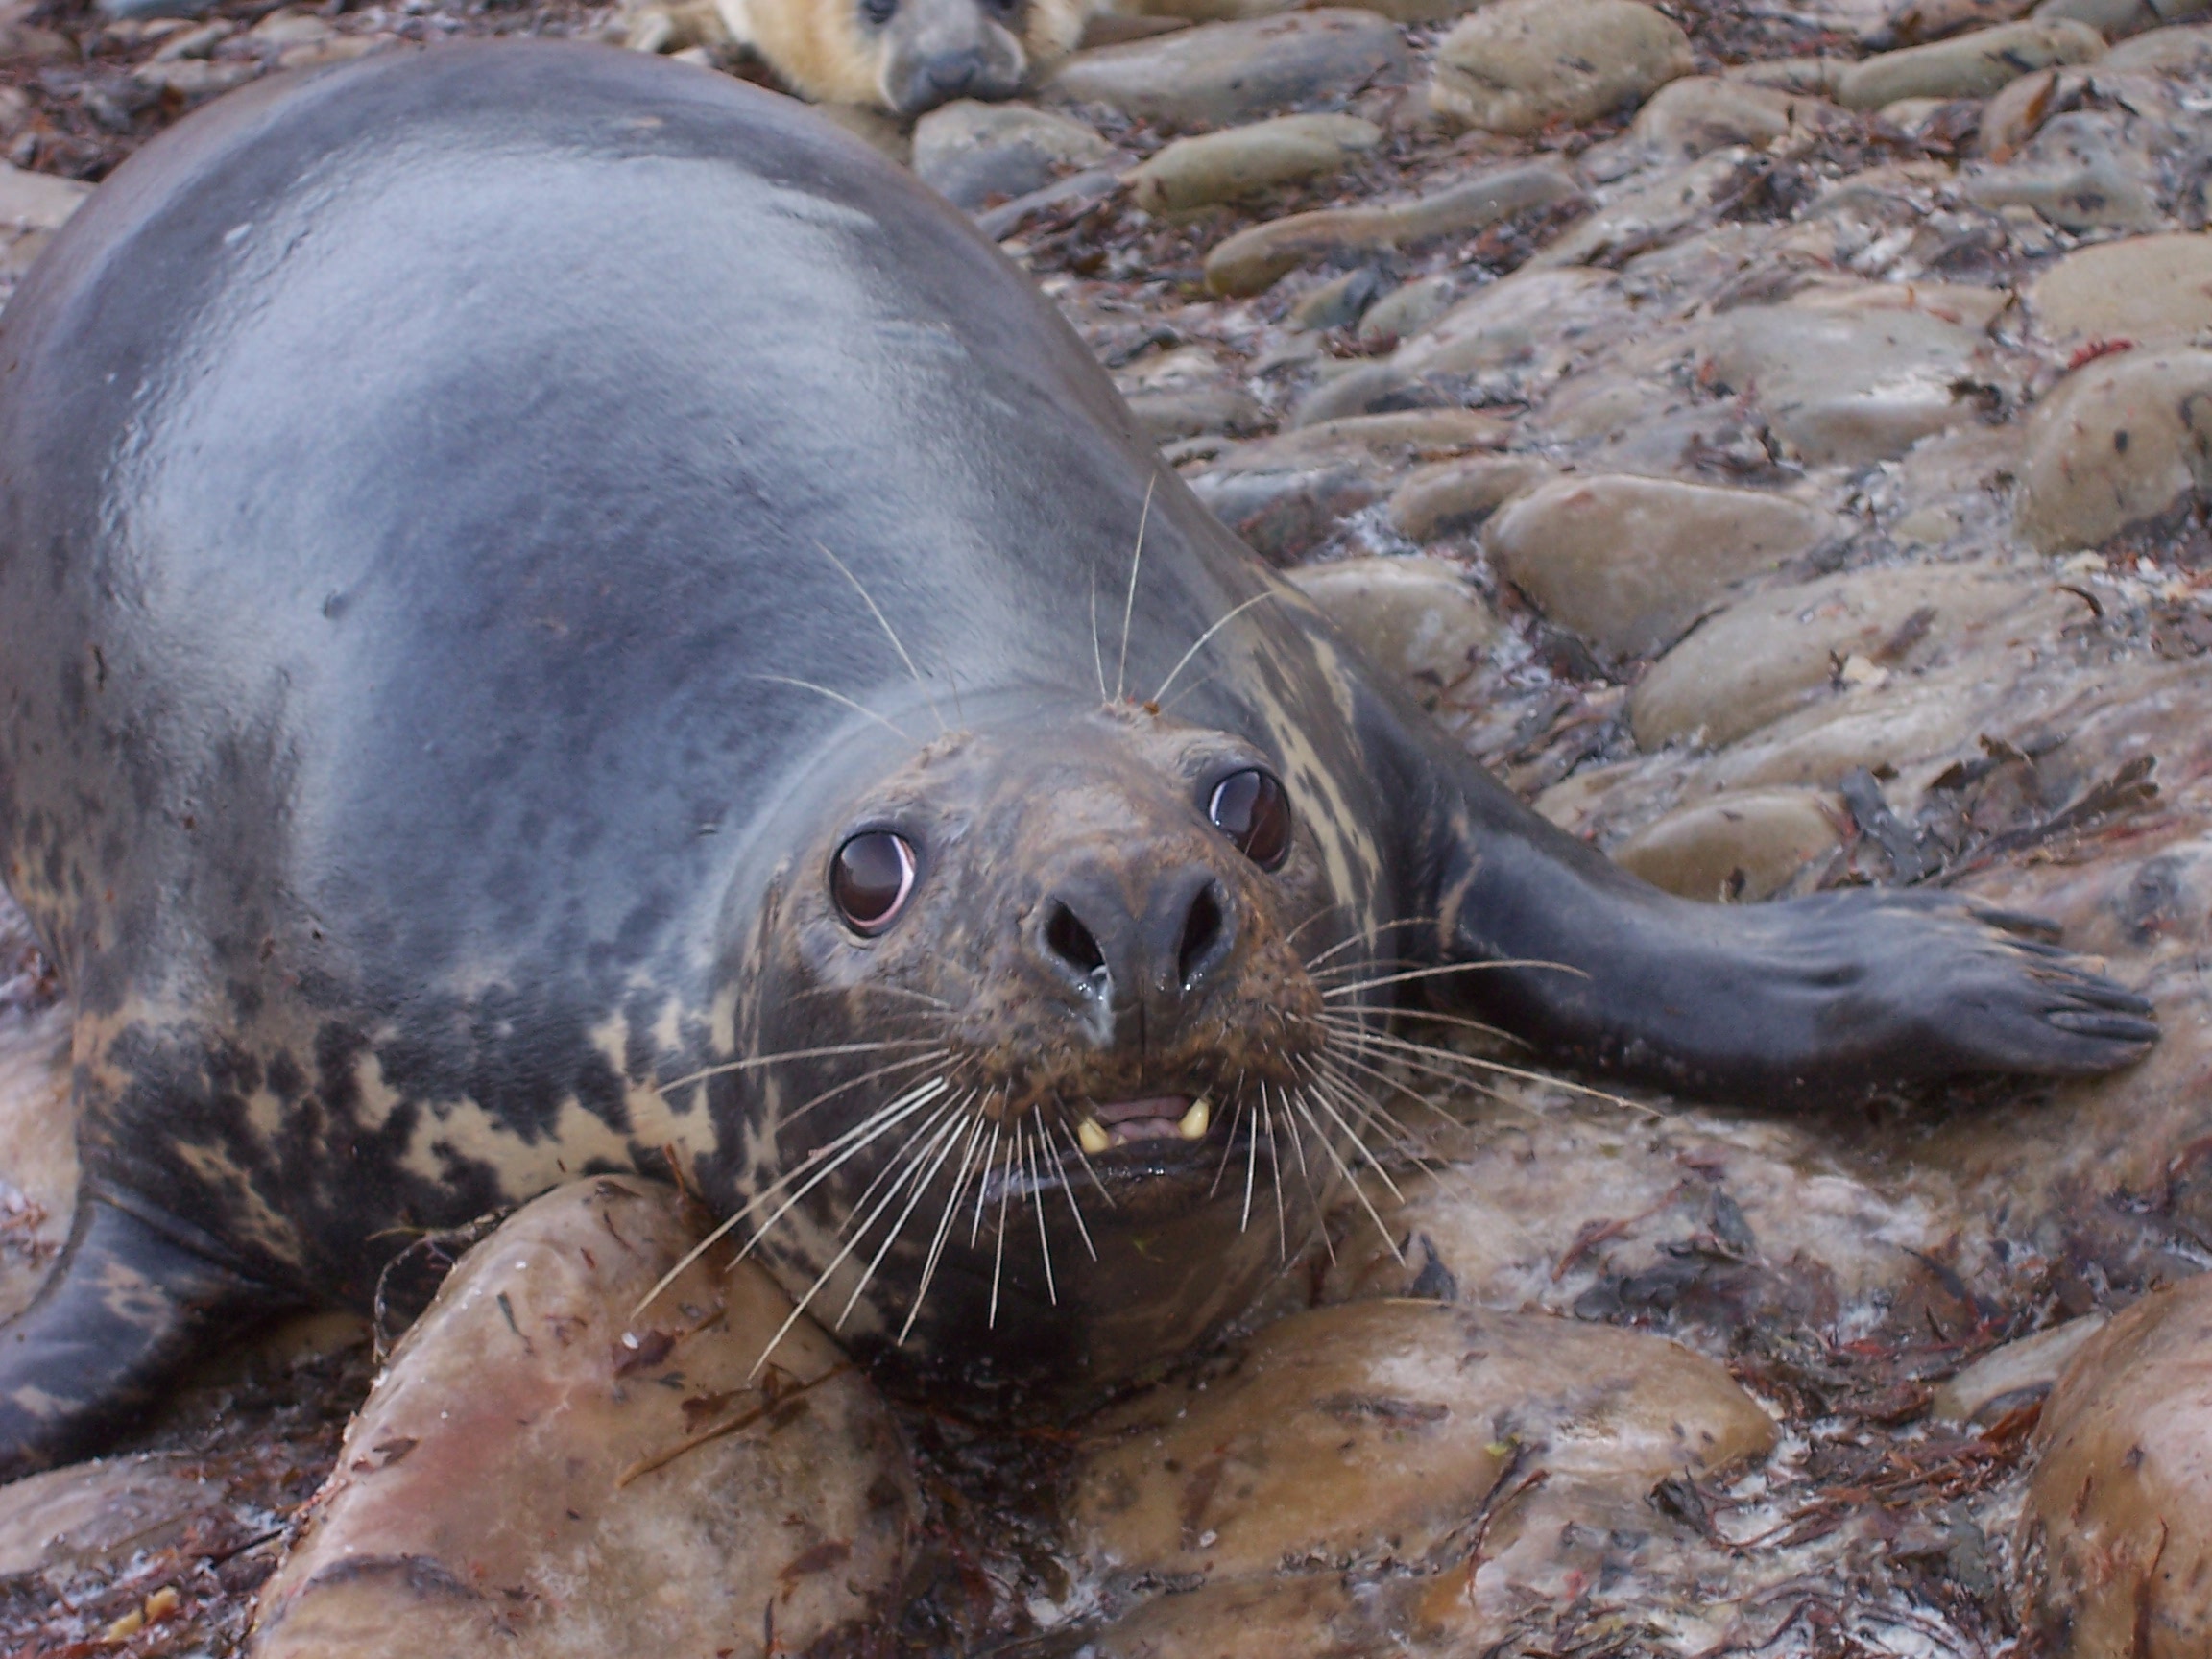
x=1222 y=74
x=968 y=151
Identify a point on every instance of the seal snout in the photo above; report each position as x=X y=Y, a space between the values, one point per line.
x=1130 y=942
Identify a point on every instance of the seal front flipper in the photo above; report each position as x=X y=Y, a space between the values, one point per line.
x=122 y=1309
x=1812 y=998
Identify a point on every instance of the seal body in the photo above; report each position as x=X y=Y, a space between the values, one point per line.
x=560 y=615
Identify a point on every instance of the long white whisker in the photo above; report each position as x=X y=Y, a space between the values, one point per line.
x=1275 y=1171
x=892 y=727
x=944 y=1225
x=1199 y=644
x=1083 y=1158
x=1129 y=605
x=1372 y=1115
x=1496 y=1068
x=1323 y=1096
x=1037 y=1191
x=984 y=1183
x=1305 y=1175
x=940 y=1149
x=1251 y=1161
x=1097 y=652
x=1365 y=936
x=1357 y=1191
x=1414 y=1094
x=999 y=1245
x=850 y=1244
x=1447 y=967
x=828 y=1094
x=759 y=1060
x=1068 y=1188
x=879 y=1122
x=890 y=633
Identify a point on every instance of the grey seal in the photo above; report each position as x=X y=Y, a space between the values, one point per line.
x=560 y=616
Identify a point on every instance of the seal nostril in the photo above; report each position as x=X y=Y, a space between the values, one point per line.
x=1202 y=939
x=1068 y=939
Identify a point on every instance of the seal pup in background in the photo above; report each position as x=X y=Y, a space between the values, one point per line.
x=559 y=614
x=904 y=56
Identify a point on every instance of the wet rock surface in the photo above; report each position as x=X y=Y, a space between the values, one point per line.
x=2115 y=1529
x=1841 y=314
x=544 y=1468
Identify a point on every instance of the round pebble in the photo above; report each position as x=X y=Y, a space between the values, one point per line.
x=2117 y=1532
x=2150 y=290
x=1629 y=563
x=969 y=151
x=1517 y=65
x=2124 y=440
x=1745 y=845
x=541 y=1471
x=1419 y=618
x=1249 y=160
x=1222 y=74
x=1972 y=66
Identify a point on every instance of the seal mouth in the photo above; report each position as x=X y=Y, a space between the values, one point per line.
x=1102 y=1128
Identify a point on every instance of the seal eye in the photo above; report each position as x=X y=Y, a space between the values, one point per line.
x=1251 y=809
x=879 y=12
x=871 y=879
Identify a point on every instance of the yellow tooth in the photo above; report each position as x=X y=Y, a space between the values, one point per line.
x=1194 y=1121
x=1092 y=1136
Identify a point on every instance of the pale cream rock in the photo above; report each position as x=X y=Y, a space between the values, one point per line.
x=1629 y=563
x=1418 y=619
x=2121 y=440
x=2184 y=51
x=2018 y=1374
x=1453 y=496
x=1768 y=655
x=1744 y=846
x=2013 y=117
x=1698 y=113
x=38 y=1150
x=1409 y=309
x=1242 y=161
x=2115 y=18
x=1848 y=386
x=2116 y=1530
x=33 y=207
x=1516 y=65
x=291 y=27
x=542 y=1472
x=2085 y=170
x=98 y=1513
x=1219 y=74
x=1252 y=260
x=1374 y=1428
x=1974 y=65
x=1817 y=76
x=1388 y=440
x=1965 y=305
x=2150 y=290
x=1654 y=215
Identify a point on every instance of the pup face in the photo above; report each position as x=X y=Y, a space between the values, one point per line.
x=906 y=56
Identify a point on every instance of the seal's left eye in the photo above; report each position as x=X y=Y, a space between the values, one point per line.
x=871 y=879
x=1252 y=809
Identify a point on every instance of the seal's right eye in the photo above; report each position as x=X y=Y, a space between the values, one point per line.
x=871 y=880
x=1251 y=809
x=879 y=12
